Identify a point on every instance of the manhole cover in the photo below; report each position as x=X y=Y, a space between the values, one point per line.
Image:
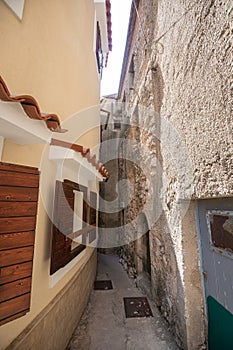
x=137 y=307
x=103 y=285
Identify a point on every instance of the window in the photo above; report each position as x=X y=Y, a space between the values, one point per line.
x=62 y=229
x=117 y=125
x=131 y=73
x=99 y=52
x=221 y=226
x=18 y=209
x=63 y=235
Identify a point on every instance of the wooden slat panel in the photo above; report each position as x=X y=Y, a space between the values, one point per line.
x=14 y=289
x=65 y=216
x=16 y=240
x=65 y=204
x=63 y=207
x=61 y=250
x=58 y=236
x=66 y=228
x=18 y=179
x=18 y=208
x=60 y=245
x=16 y=256
x=65 y=191
x=14 y=317
x=62 y=253
x=82 y=189
x=57 y=264
x=77 y=187
x=10 y=225
x=8 y=308
x=20 y=194
x=18 y=168
x=15 y=272
x=14 y=209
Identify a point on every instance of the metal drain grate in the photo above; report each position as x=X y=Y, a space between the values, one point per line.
x=103 y=285
x=137 y=307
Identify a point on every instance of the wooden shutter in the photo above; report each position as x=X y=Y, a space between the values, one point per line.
x=18 y=208
x=63 y=226
x=83 y=189
x=87 y=230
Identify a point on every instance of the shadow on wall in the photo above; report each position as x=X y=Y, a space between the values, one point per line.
x=167 y=285
x=158 y=254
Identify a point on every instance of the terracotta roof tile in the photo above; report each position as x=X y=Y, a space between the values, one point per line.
x=85 y=152
x=31 y=107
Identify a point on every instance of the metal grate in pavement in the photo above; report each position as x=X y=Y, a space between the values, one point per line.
x=103 y=285
x=137 y=307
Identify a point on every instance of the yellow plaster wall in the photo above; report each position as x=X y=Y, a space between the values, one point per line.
x=49 y=55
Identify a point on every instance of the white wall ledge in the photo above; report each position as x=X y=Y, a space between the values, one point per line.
x=64 y=155
x=17 y=127
x=57 y=276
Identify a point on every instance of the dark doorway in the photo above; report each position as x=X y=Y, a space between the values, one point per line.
x=142 y=247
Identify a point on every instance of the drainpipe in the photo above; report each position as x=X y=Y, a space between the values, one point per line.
x=1 y=146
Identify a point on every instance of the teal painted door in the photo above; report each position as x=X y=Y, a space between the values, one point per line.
x=220 y=322
x=216 y=237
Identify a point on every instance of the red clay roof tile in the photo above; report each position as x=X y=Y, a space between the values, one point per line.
x=31 y=107
x=85 y=152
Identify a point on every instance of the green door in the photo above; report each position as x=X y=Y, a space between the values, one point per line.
x=220 y=326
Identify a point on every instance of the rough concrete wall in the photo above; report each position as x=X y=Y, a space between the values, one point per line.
x=182 y=73
x=58 y=321
x=196 y=69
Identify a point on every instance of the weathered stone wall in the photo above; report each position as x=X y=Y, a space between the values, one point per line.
x=182 y=98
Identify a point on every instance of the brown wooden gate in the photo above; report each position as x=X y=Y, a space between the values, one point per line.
x=19 y=187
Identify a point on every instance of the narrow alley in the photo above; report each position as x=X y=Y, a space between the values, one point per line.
x=104 y=324
x=116 y=175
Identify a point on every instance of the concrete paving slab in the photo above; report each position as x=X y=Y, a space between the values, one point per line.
x=104 y=325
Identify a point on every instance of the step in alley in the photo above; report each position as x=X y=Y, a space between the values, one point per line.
x=104 y=325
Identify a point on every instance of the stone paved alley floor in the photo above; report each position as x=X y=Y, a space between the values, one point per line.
x=104 y=325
